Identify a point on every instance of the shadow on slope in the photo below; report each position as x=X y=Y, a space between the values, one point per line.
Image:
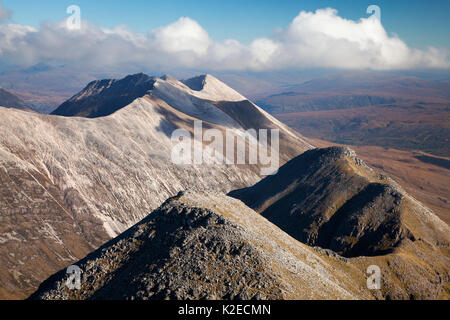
x=330 y=198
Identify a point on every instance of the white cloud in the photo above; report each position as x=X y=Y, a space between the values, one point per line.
x=313 y=39
x=184 y=35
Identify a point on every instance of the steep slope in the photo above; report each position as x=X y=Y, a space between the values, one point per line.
x=415 y=126
x=207 y=246
x=103 y=97
x=331 y=198
x=102 y=175
x=9 y=100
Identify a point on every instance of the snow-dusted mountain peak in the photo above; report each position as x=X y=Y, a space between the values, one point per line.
x=209 y=87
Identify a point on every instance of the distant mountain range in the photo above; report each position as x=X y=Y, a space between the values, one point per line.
x=366 y=108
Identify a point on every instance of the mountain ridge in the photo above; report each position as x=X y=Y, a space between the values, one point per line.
x=77 y=180
x=205 y=246
x=331 y=198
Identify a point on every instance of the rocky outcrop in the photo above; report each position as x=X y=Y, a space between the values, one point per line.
x=209 y=246
x=331 y=198
x=206 y=246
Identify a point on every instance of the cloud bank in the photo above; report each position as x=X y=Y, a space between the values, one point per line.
x=313 y=39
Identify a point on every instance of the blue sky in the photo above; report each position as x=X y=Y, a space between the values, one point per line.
x=418 y=23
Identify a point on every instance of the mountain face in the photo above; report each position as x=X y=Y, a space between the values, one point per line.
x=331 y=198
x=68 y=184
x=44 y=87
x=9 y=100
x=207 y=246
x=104 y=97
x=353 y=90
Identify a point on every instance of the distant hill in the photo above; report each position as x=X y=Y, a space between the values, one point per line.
x=366 y=108
x=355 y=89
x=330 y=198
x=9 y=100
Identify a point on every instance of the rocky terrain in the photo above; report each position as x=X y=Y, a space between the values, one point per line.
x=72 y=182
x=104 y=97
x=201 y=245
x=68 y=184
x=207 y=246
x=330 y=198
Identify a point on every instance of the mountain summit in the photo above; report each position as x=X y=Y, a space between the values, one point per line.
x=103 y=97
x=331 y=198
x=206 y=246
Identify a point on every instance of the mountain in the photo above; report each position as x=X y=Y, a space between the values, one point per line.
x=422 y=175
x=207 y=246
x=201 y=245
x=68 y=184
x=417 y=127
x=104 y=97
x=9 y=100
x=43 y=86
x=330 y=198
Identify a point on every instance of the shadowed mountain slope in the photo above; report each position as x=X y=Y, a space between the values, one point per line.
x=207 y=246
x=9 y=100
x=332 y=199
x=103 y=97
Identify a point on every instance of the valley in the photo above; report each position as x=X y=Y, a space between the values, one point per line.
x=368 y=108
